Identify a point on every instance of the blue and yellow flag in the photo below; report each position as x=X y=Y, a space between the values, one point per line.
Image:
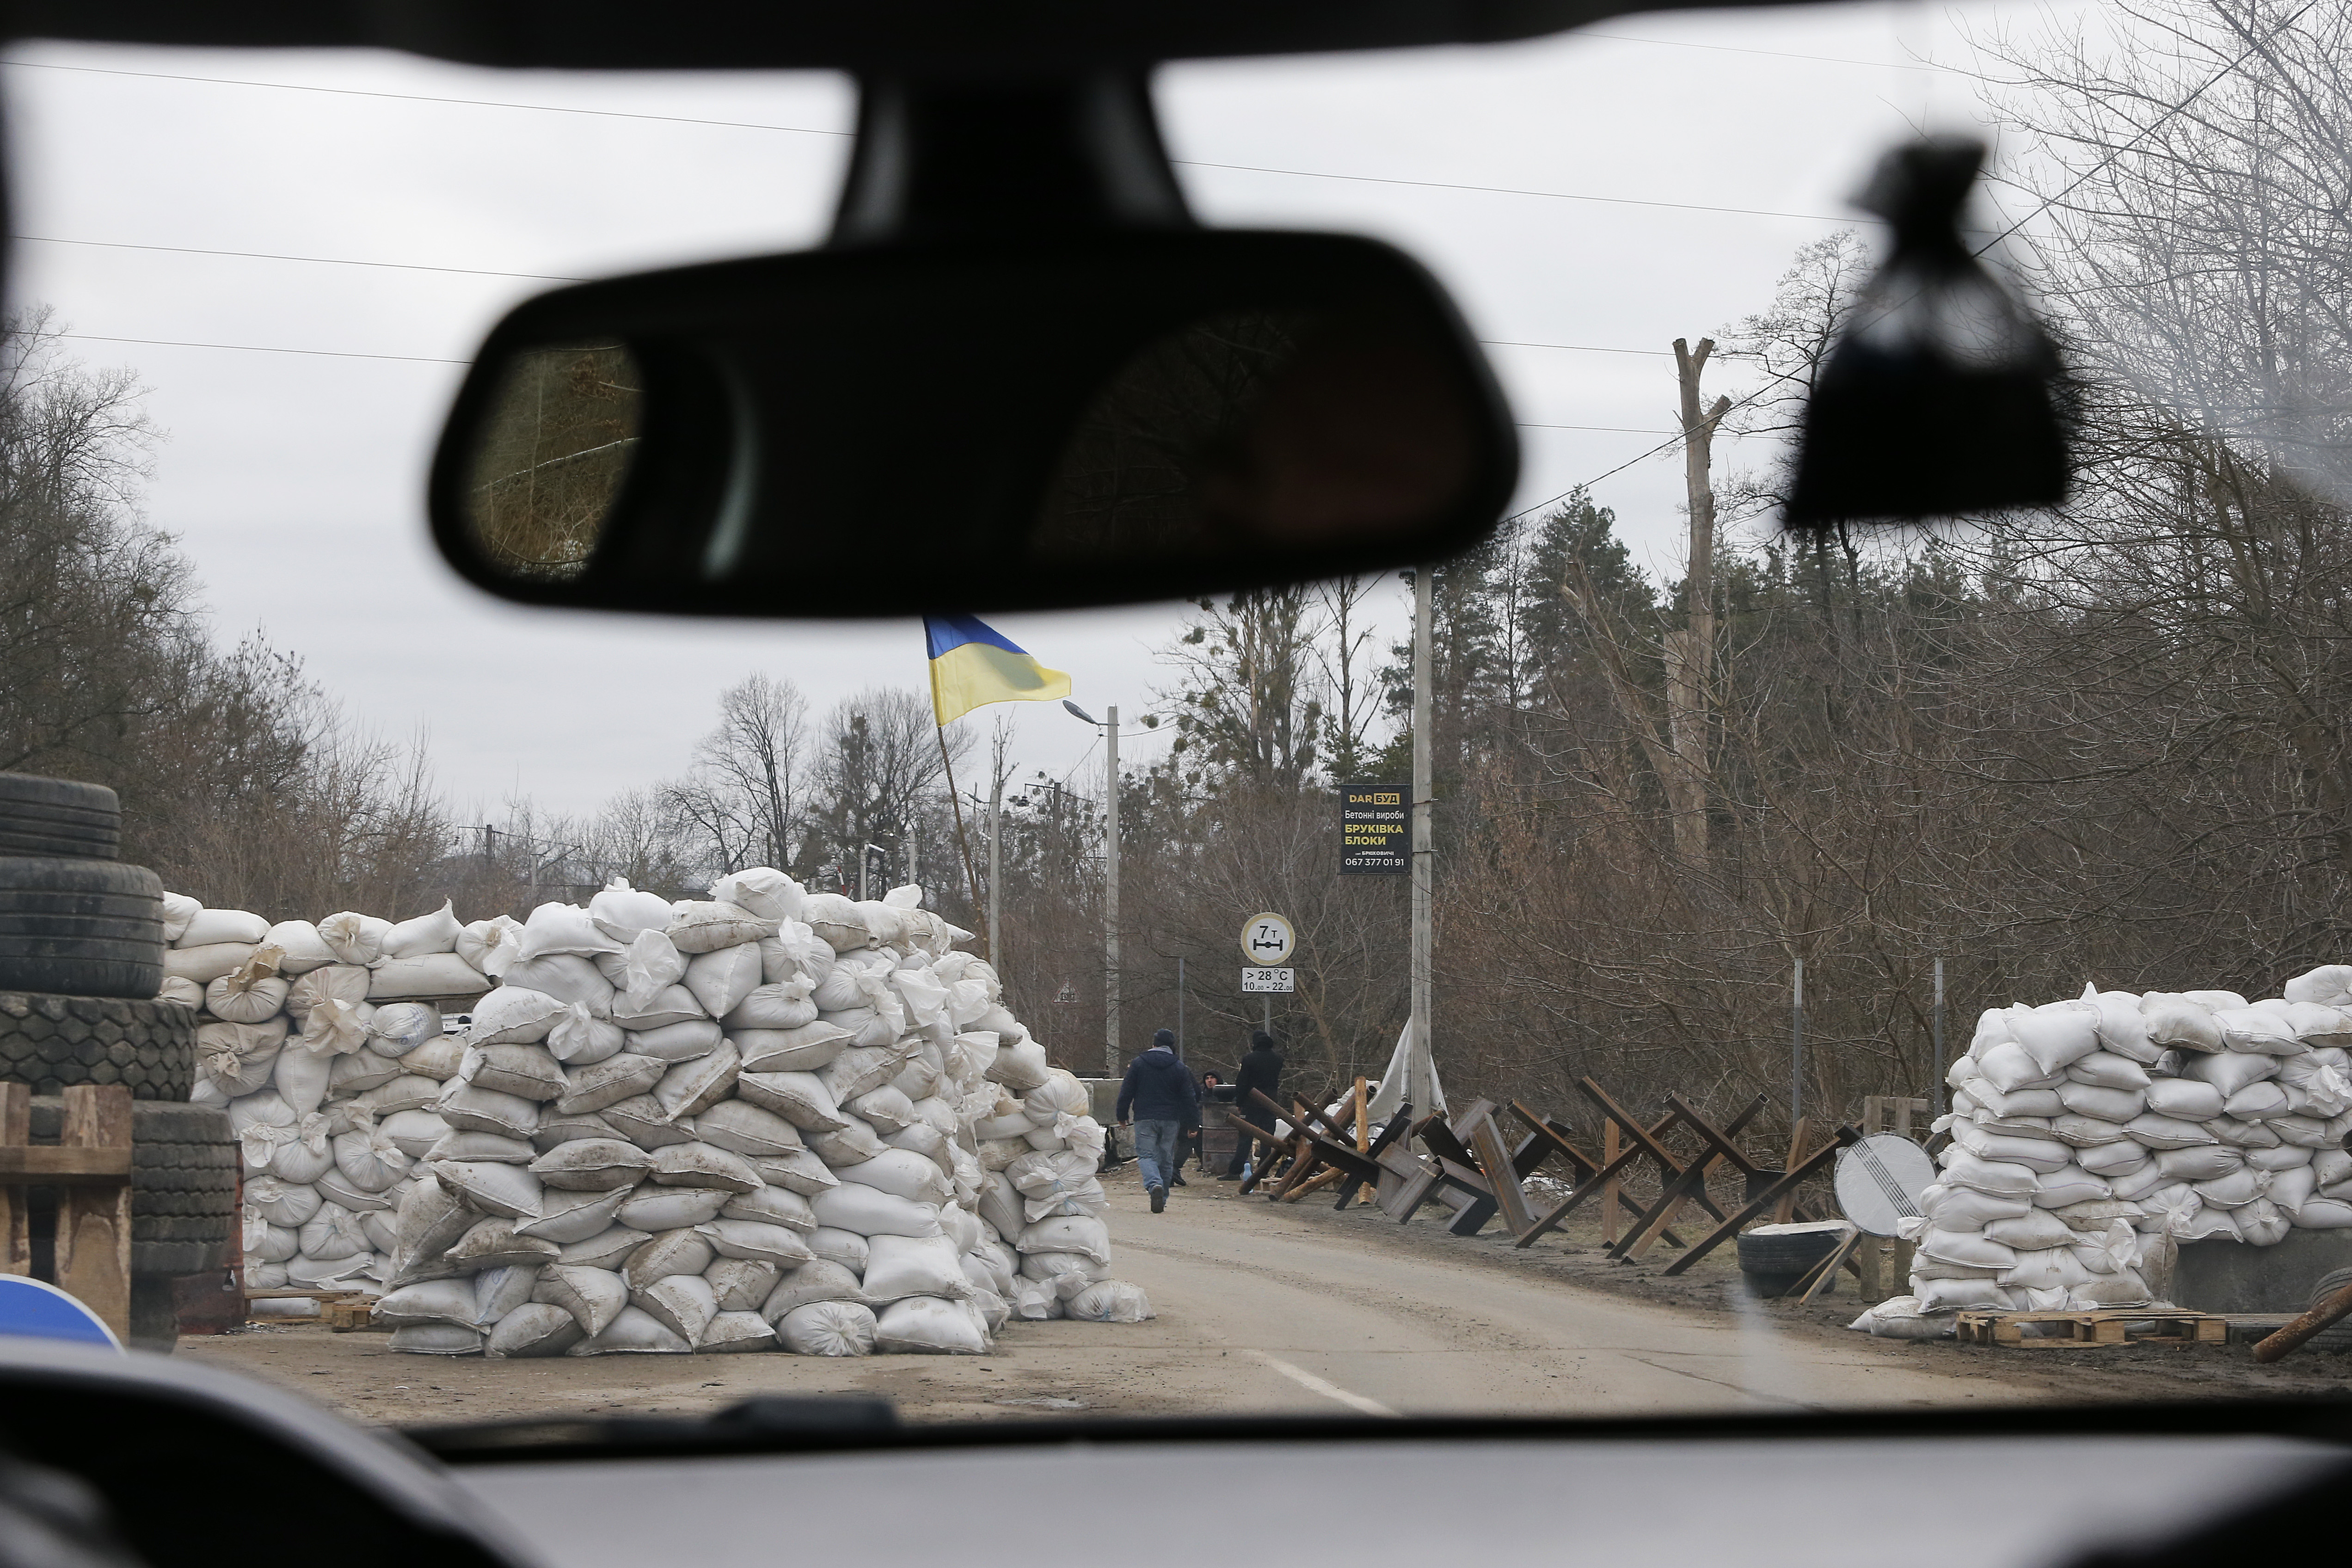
x=973 y=664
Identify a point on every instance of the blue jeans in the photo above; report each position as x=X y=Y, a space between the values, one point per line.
x=1155 y=1150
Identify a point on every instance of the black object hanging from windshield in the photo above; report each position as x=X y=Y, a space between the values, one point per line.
x=1938 y=399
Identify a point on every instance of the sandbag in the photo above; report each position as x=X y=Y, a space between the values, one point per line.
x=670 y=1253
x=207 y=963
x=601 y=1084
x=672 y=1208
x=735 y=1332
x=902 y=1175
x=593 y=1164
x=494 y=1243
x=795 y=1170
x=1109 y=1302
x=425 y=975
x=684 y=1303
x=641 y=1119
x=509 y=1191
x=632 y=1332
x=608 y=1249
x=566 y=976
x=568 y=1216
x=555 y=928
x=208 y=928
x=514 y=1013
x=594 y=1297
x=899 y=1266
x=803 y=1050
x=534 y=1329
x=427 y=934
x=1083 y=1235
x=756 y=1240
x=828 y=1328
x=820 y=1279
x=869 y=1212
x=693 y=1086
x=927 y=1325
x=846 y=1247
x=490 y=945
x=742 y=1284
x=762 y=889
x=780 y=1005
x=579 y=1038
x=682 y=1041
x=746 y=1129
x=703 y=1166
x=700 y=926
x=722 y=979
x=623 y=913
x=800 y=1097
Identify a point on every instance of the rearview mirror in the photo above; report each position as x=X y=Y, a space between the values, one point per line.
x=982 y=425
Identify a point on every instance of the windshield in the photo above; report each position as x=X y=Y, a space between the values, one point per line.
x=1843 y=945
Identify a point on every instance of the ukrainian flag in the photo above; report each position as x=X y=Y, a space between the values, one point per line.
x=973 y=664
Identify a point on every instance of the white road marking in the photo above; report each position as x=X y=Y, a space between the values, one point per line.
x=1314 y=1385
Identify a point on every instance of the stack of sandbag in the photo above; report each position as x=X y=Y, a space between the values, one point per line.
x=313 y=1037
x=757 y=1121
x=2090 y=1136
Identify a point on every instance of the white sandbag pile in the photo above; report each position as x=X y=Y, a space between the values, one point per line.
x=759 y=1120
x=324 y=1043
x=2089 y=1136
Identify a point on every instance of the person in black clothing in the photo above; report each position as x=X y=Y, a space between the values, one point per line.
x=1261 y=1070
x=1163 y=1100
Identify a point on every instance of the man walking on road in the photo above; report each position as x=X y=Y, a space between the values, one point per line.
x=1160 y=1095
x=1261 y=1070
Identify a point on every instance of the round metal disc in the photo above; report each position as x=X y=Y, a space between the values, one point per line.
x=1879 y=1180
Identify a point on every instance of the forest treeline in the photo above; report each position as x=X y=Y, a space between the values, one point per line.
x=2107 y=743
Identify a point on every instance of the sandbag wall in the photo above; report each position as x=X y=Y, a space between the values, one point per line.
x=764 y=1119
x=2089 y=1136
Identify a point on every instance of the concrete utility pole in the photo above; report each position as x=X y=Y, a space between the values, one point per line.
x=1111 y=898
x=1797 y=1046
x=1423 y=856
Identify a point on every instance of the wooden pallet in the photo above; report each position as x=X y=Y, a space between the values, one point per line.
x=352 y=1317
x=2087 y=1331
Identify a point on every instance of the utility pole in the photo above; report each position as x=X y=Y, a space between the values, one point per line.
x=1111 y=899
x=1180 y=1006
x=1936 y=1084
x=996 y=855
x=1797 y=1048
x=1424 y=856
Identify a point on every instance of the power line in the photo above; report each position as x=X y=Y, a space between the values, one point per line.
x=259 y=349
x=423 y=97
x=1517 y=191
x=318 y=260
x=1775 y=54
x=811 y=131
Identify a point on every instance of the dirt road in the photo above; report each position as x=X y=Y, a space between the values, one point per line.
x=1260 y=1308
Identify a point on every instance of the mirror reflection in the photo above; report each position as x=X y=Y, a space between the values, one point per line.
x=1258 y=429
x=550 y=457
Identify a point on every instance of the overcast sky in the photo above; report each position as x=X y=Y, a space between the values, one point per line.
x=294 y=480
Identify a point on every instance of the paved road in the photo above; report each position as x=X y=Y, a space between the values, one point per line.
x=1260 y=1308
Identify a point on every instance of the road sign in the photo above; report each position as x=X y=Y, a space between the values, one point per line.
x=1273 y=981
x=35 y=1309
x=1267 y=939
x=1878 y=1180
x=1375 y=828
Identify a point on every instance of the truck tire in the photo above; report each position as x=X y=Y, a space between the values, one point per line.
x=80 y=927
x=50 y=1042
x=1772 y=1264
x=183 y=1188
x=183 y=1203
x=49 y=817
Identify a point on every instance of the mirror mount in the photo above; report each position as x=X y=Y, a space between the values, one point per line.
x=964 y=158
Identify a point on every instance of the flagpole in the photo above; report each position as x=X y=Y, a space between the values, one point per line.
x=972 y=878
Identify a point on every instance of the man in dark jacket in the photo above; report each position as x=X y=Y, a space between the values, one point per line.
x=1262 y=1070
x=1162 y=1098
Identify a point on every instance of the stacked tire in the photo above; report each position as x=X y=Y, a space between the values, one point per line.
x=81 y=958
